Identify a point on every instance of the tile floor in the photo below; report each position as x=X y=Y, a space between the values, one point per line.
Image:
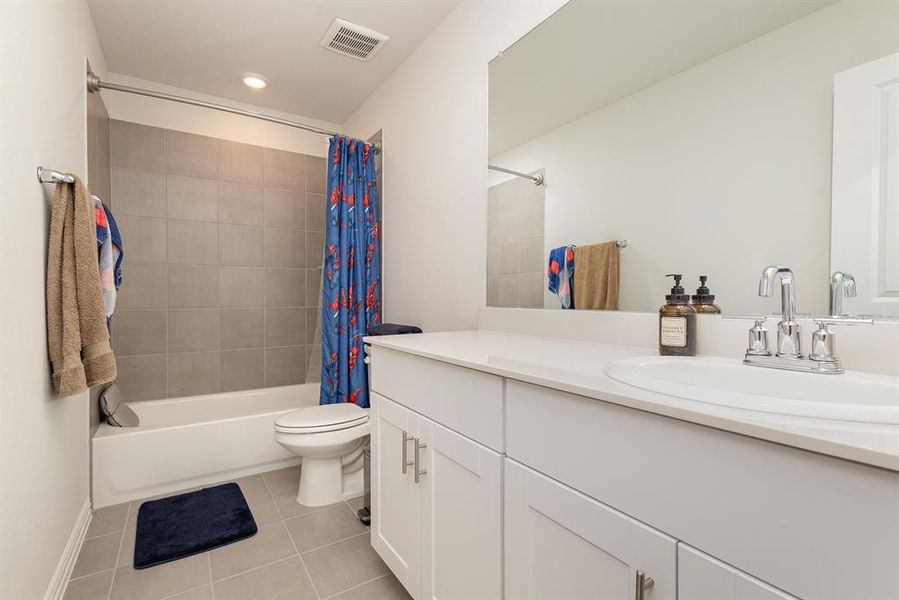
x=299 y=553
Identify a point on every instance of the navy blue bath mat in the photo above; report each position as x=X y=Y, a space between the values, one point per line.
x=191 y=523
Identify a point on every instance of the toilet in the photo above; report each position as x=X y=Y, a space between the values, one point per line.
x=330 y=438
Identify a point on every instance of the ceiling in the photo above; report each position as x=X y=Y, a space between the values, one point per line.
x=206 y=46
x=591 y=54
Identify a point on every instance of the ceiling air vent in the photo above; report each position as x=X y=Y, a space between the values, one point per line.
x=353 y=40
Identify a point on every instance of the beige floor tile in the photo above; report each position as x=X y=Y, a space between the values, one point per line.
x=160 y=581
x=283 y=480
x=108 y=520
x=324 y=527
x=92 y=587
x=288 y=505
x=252 y=486
x=285 y=580
x=264 y=509
x=385 y=588
x=97 y=554
x=356 y=503
x=270 y=544
x=343 y=565
x=203 y=593
x=126 y=554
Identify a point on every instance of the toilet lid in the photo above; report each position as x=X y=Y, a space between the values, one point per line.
x=323 y=417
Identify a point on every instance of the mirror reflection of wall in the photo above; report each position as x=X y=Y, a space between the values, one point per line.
x=701 y=132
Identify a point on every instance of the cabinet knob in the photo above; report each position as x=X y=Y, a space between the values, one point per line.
x=406 y=463
x=642 y=585
x=418 y=448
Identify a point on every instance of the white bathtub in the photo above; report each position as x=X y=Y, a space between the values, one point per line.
x=187 y=442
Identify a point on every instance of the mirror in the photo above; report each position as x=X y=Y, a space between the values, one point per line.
x=714 y=137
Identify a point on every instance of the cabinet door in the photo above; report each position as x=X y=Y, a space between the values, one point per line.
x=701 y=577
x=461 y=504
x=394 y=497
x=562 y=544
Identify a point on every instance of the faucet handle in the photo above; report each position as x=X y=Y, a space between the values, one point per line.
x=823 y=342
x=758 y=335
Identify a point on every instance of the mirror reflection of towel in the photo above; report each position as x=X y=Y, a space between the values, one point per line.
x=596 y=276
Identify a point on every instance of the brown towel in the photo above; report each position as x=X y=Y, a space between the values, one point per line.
x=77 y=336
x=596 y=276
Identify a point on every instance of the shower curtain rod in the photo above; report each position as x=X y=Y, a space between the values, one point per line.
x=537 y=179
x=95 y=84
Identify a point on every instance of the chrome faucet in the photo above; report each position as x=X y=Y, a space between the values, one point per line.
x=789 y=342
x=841 y=284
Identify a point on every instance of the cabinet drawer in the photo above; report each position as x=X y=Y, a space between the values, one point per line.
x=701 y=577
x=464 y=400
x=735 y=497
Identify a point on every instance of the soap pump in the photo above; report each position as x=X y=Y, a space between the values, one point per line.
x=703 y=301
x=677 y=322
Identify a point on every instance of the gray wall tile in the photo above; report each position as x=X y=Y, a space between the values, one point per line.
x=193 y=242
x=285 y=366
x=285 y=326
x=193 y=286
x=285 y=287
x=142 y=377
x=316 y=174
x=313 y=327
x=189 y=154
x=285 y=169
x=241 y=163
x=191 y=198
x=240 y=245
x=241 y=286
x=144 y=239
x=242 y=328
x=243 y=369
x=138 y=193
x=136 y=146
x=193 y=329
x=284 y=208
x=530 y=290
x=284 y=248
x=143 y=286
x=240 y=203
x=313 y=287
x=193 y=373
x=139 y=331
x=315 y=212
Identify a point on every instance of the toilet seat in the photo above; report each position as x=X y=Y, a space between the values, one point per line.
x=321 y=419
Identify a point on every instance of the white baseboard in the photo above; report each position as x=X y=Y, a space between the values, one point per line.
x=69 y=555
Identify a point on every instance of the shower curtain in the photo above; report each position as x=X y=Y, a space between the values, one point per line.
x=351 y=286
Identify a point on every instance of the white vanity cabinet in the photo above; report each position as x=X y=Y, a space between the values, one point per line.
x=436 y=494
x=562 y=544
x=701 y=577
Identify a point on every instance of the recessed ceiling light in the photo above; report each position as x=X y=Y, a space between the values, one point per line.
x=255 y=80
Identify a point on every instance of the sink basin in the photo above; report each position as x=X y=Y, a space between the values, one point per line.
x=851 y=396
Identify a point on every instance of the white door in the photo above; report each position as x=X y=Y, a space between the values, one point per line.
x=562 y=544
x=701 y=577
x=865 y=212
x=461 y=516
x=394 y=495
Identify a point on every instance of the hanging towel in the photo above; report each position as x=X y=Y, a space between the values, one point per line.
x=560 y=273
x=106 y=258
x=596 y=276
x=77 y=337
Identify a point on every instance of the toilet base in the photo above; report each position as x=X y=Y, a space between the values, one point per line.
x=324 y=481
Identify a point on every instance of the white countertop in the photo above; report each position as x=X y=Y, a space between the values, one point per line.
x=578 y=367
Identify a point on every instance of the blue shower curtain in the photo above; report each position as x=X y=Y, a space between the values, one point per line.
x=351 y=285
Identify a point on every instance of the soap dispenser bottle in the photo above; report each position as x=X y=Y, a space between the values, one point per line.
x=703 y=301
x=677 y=322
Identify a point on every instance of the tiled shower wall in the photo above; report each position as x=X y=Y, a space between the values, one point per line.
x=223 y=252
x=516 y=265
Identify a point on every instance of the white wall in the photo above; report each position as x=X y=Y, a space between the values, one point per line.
x=693 y=170
x=213 y=123
x=433 y=111
x=43 y=440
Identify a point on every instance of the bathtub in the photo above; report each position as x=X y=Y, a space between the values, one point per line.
x=193 y=441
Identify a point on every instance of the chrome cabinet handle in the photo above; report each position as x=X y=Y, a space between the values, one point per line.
x=406 y=439
x=642 y=585
x=419 y=472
